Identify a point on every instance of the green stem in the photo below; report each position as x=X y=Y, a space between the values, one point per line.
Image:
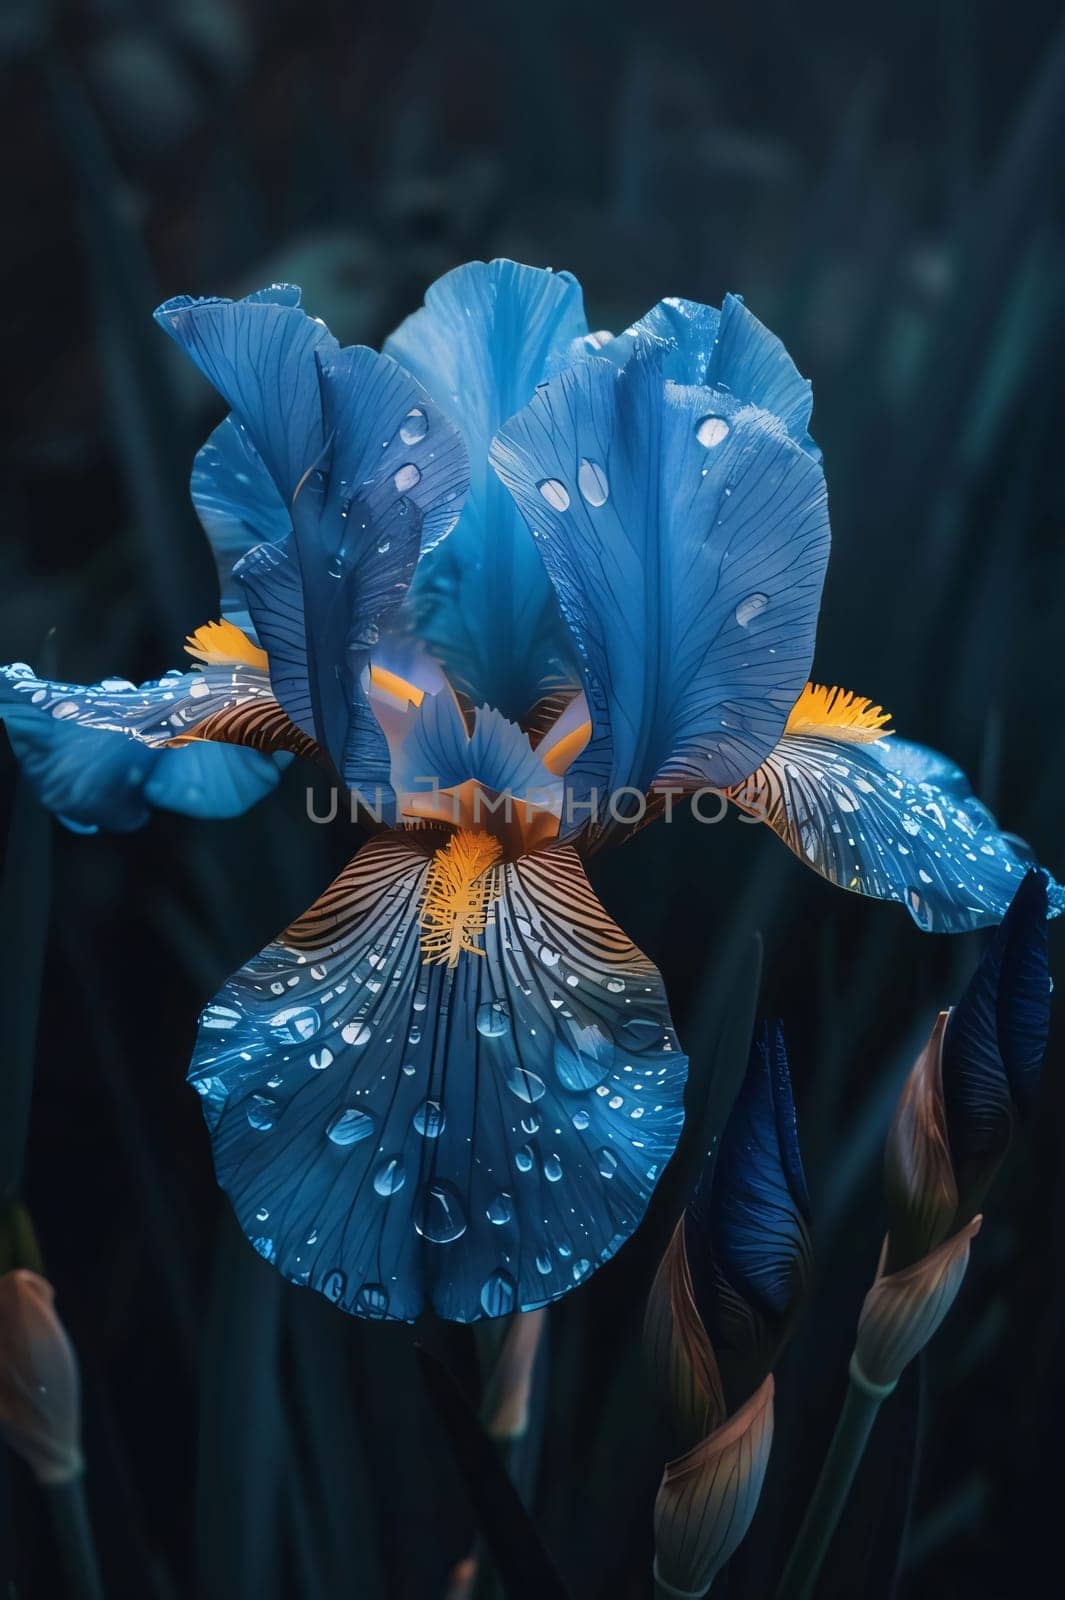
x=863 y=1401
x=73 y=1531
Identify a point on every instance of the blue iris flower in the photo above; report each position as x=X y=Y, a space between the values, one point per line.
x=535 y=566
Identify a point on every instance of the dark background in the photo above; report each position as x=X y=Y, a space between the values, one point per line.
x=883 y=184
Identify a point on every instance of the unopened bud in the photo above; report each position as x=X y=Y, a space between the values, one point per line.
x=39 y=1389
x=903 y=1309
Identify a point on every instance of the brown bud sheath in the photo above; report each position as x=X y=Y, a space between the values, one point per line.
x=707 y=1499
x=903 y=1309
x=39 y=1390
x=919 y=1182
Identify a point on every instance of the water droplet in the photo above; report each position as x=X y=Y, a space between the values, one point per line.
x=552 y=1169
x=334 y=1284
x=261 y=1111
x=500 y=1210
x=320 y=1059
x=389 y=1177
x=498 y=1295
x=608 y=1163
x=526 y=1085
x=523 y=1159
x=548 y=956
x=584 y=1059
x=295 y=1023
x=439 y=1216
x=383 y=546
x=372 y=1301
x=748 y=609
x=430 y=1119
x=265 y=1248
x=615 y=986
x=493 y=1019
x=262 y=1214
x=580 y=1120
x=414 y=427
x=592 y=482
x=355 y=1032
x=350 y=1126
x=712 y=431
x=407 y=478
x=219 y=1018
x=581 y=1269
x=556 y=494
x=641 y=1033
x=543 y=1262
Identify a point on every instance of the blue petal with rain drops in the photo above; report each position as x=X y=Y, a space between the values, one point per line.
x=96 y=755
x=369 y=1112
x=864 y=817
x=728 y=350
x=489 y=332
x=239 y=506
x=686 y=537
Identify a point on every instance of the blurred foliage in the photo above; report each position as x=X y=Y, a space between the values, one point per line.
x=884 y=187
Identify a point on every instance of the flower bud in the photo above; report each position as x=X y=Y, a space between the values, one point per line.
x=707 y=1499
x=39 y=1398
x=903 y=1309
x=922 y=1196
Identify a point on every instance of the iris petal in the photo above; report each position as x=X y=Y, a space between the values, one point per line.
x=855 y=814
x=692 y=586
x=480 y=1139
x=489 y=332
x=239 y=507
x=727 y=349
x=98 y=756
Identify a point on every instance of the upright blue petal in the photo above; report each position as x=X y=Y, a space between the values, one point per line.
x=750 y=1214
x=98 y=758
x=239 y=506
x=686 y=536
x=369 y=470
x=401 y=1136
x=866 y=818
x=997 y=1034
x=486 y=336
x=729 y=350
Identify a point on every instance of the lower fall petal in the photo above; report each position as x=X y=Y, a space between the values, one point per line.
x=476 y=1139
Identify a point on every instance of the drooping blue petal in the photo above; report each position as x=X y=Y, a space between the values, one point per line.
x=239 y=507
x=728 y=350
x=400 y=1136
x=750 y=1214
x=687 y=537
x=852 y=812
x=438 y=749
x=489 y=332
x=997 y=1034
x=97 y=758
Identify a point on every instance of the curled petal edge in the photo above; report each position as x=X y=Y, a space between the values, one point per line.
x=904 y=1309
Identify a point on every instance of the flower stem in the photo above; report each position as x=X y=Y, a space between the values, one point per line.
x=73 y=1531
x=860 y=1406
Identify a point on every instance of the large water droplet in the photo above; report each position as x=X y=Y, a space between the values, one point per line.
x=295 y=1023
x=320 y=1059
x=711 y=431
x=372 y=1301
x=493 y=1019
x=552 y=1169
x=389 y=1177
x=261 y=1112
x=349 y=1126
x=543 y=1262
x=334 y=1284
x=748 y=609
x=414 y=427
x=355 y=1032
x=580 y=1120
x=430 y=1119
x=526 y=1085
x=500 y=1210
x=498 y=1295
x=523 y=1159
x=407 y=478
x=592 y=482
x=608 y=1163
x=556 y=494
x=439 y=1216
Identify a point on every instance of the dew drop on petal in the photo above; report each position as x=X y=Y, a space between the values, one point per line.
x=349 y=1126
x=389 y=1177
x=555 y=493
x=552 y=1169
x=407 y=478
x=430 y=1119
x=372 y=1301
x=493 y=1019
x=334 y=1284
x=592 y=482
x=711 y=431
x=414 y=427
x=750 y=608
x=498 y=1295
x=523 y=1159
x=608 y=1163
x=500 y=1210
x=355 y=1032
x=261 y=1112
x=439 y=1216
